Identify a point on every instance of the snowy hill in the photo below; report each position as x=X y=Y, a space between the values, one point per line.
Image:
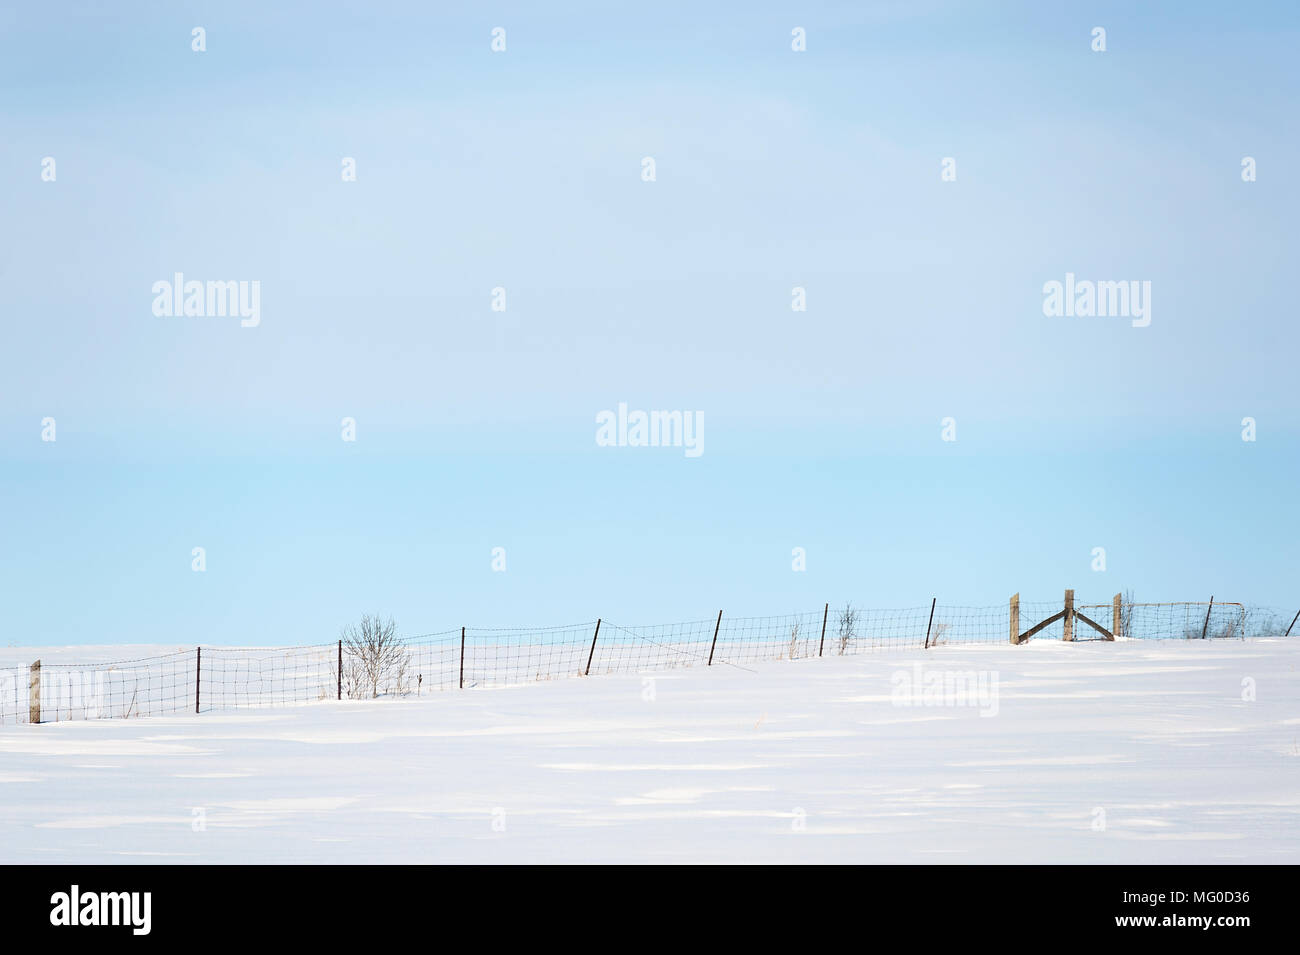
x=1145 y=751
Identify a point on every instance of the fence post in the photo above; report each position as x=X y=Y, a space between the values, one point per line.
x=1206 y=627
x=462 y=658
x=198 y=673
x=931 y=623
x=1015 y=619
x=1293 y=620
x=1068 y=619
x=827 y=612
x=587 y=672
x=34 y=694
x=1116 y=616
x=715 y=637
x=340 y=671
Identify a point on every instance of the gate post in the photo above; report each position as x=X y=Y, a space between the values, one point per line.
x=1068 y=621
x=34 y=694
x=1116 y=616
x=1015 y=619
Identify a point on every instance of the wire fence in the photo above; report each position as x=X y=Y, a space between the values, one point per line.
x=226 y=678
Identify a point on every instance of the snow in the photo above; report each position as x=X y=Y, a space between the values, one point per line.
x=1129 y=752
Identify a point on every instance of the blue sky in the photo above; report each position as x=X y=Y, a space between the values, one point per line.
x=522 y=170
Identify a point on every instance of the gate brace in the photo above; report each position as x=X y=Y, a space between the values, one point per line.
x=1039 y=626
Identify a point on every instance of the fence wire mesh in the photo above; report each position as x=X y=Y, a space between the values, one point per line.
x=527 y=655
x=237 y=678
x=433 y=658
x=1188 y=620
x=13 y=695
x=220 y=678
x=123 y=689
x=663 y=646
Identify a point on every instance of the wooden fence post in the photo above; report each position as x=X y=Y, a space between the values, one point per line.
x=1068 y=620
x=1015 y=619
x=198 y=673
x=1206 y=627
x=340 y=671
x=827 y=612
x=933 y=600
x=34 y=694
x=462 y=658
x=1116 y=616
x=715 y=638
x=587 y=672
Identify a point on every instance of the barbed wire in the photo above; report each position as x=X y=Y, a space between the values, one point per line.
x=220 y=678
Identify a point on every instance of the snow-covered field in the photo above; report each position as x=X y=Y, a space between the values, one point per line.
x=1137 y=752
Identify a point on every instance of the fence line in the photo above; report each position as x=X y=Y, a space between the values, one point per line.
x=222 y=678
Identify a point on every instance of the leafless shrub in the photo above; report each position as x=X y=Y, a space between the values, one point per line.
x=1264 y=622
x=937 y=633
x=1230 y=629
x=376 y=660
x=848 y=626
x=1126 y=614
x=794 y=641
